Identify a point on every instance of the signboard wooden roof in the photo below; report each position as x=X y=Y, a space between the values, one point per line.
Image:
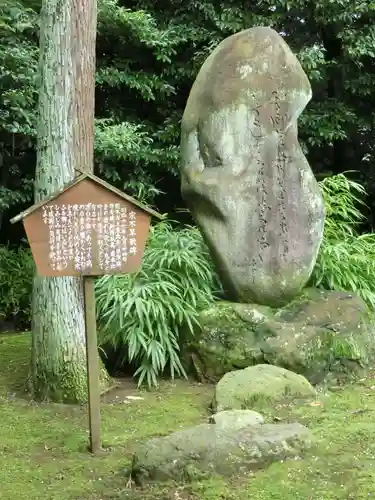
x=77 y=180
x=87 y=228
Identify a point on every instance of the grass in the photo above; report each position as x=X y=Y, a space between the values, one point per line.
x=43 y=446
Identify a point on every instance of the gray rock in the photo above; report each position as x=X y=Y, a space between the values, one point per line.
x=210 y=449
x=324 y=335
x=236 y=418
x=243 y=174
x=258 y=384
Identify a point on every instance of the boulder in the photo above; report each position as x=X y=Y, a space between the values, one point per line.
x=225 y=340
x=236 y=418
x=323 y=335
x=212 y=449
x=243 y=174
x=242 y=389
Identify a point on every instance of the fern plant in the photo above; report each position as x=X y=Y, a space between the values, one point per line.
x=346 y=259
x=141 y=314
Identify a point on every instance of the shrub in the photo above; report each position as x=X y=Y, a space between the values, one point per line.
x=346 y=259
x=16 y=279
x=141 y=315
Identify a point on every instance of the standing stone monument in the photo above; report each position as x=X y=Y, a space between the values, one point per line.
x=244 y=175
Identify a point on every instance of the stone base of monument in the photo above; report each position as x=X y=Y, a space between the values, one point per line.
x=260 y=357
x=326 y=336
x=235 y=442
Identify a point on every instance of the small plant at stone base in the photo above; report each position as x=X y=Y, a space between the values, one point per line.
x=346 y=259
x=140 y=315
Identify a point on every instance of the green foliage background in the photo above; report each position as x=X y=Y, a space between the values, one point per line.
x=148 y=54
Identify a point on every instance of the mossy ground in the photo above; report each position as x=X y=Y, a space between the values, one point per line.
x=43 y=457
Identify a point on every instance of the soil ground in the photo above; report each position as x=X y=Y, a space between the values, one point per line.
x=43 y=446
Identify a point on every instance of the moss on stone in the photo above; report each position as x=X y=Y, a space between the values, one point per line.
x=295 y=306
x=244 y=389
x=201 y=451
x=320 y=334
x=224 y=342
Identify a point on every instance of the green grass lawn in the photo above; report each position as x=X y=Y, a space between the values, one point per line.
x=43 y=446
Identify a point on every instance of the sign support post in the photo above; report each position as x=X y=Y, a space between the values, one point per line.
x=93 y=372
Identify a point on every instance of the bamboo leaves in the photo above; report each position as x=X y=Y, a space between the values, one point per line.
x=347 y=259
x=143 y=315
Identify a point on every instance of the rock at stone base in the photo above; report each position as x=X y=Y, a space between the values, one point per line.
x=323 y=335
x=242 y=389
x=236 y=418
x=211 y=449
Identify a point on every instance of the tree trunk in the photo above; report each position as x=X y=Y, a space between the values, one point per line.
x=65 y=143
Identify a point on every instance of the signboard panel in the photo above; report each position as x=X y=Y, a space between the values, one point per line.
x=87 y=231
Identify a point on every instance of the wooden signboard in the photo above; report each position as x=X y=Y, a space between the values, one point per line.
x=88 y=229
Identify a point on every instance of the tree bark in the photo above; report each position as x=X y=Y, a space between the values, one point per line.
x=65 y=143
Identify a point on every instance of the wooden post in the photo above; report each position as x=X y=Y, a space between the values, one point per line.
x=92 y=364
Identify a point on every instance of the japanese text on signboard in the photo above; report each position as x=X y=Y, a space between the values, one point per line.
x=72 y=229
